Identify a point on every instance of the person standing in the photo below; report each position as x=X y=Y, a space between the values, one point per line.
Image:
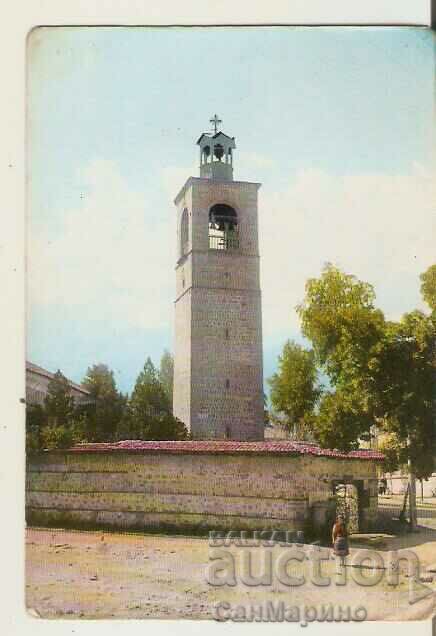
x=340 y=539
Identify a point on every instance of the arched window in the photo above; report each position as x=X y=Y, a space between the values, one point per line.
x=223 y=227
x=184 y=233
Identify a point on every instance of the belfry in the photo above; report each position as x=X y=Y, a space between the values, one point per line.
x=218 y=385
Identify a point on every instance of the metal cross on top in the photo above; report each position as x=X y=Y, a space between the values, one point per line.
x=215 y=121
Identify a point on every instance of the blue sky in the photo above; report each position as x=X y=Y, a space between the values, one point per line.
x=337 y=124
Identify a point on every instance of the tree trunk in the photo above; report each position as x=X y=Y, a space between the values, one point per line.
x=412 y=497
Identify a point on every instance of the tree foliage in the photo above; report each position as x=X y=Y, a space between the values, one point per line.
x=428 y=286
x=149 y=414
x=294 y=388
x=59 y=403
x=106 y=405
x=166 y=375
x=404 y=376
x=149 y=396
x=381 y=372
x=107 y=415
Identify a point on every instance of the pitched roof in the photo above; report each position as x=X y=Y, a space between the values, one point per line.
x=34 y=368
x=214 y=136
x=282 y=447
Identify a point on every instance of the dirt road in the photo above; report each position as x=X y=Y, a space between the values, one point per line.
x=102 y=575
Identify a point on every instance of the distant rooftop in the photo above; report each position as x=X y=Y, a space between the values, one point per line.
x=282 y=447
x=34 y=368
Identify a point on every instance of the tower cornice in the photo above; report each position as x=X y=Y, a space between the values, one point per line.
x=205 y=180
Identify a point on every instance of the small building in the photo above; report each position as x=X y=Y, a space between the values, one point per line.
x=37 y=381
x=200 y=485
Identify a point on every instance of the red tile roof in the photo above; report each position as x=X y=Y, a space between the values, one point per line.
x=283 y=447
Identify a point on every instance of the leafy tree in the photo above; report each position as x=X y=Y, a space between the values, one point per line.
x=64 y=436
x=294 y=389
x=404 y=384
x=166 y=375
x=395 y=454
x=36 y=419
x=428 y=286
x=149 y=412
x=59 y=403
x=339 y=318
x=342 y=420
x=106 y=404
x=149 y=397
x=165 y=427
x=35 y=416
x=381 y=372
x=266 y=413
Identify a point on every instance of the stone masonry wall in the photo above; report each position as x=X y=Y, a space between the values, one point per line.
x=182 y=490
x=220 y=327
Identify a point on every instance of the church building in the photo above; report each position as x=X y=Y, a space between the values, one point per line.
x=218 y=379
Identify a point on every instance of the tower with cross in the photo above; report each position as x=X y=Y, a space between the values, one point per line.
x=215 y=121
x=216 y=153
x=218 y=387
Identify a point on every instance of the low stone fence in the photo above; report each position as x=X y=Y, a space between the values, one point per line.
x=187 y=487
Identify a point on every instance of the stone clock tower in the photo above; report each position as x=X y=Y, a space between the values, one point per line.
x=218 y=387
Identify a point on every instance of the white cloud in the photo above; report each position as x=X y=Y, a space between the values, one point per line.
x=380 y=228
x=113 y=257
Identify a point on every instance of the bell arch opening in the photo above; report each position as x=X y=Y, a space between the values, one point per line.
x=223 y=227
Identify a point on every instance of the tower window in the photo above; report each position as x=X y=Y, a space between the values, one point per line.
x=205 y=154
x=227 y=333
x=228 y=432
x=227 y=384
x=223 y=227
x=184 y=233
x=218 y=151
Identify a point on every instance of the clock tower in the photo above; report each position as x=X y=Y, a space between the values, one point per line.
x=218 y=385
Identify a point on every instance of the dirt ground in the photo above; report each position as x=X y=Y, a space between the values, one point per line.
x=78 y=574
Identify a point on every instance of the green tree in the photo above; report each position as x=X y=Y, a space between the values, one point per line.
x=149 y=397
x=165 y=427
x=381 y=372
x=404 y=375
x=295 y=390
x=339 y=318
x=106 y=406
x=36 y=419
x=59 y=403
x=149 y=414
x=395 y=454
x=343 y=420
x=166 y=375
x=63 y=436
x=428 y=286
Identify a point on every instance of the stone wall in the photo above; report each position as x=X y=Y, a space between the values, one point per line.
x=233 y=491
